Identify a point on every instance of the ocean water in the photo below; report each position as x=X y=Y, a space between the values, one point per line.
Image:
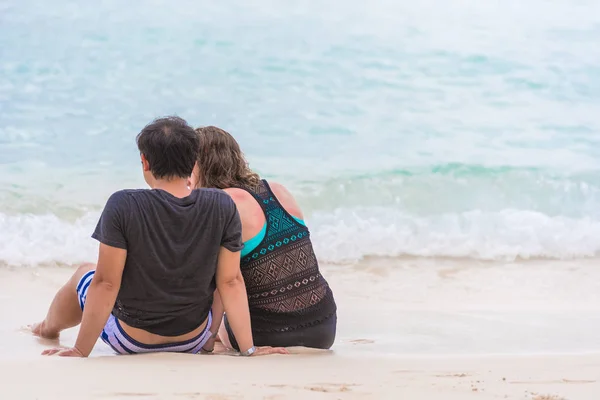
x=466 y=128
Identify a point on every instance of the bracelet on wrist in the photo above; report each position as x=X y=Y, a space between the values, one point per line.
x=248 y=352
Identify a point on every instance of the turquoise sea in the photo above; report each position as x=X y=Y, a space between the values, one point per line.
x=462 y=129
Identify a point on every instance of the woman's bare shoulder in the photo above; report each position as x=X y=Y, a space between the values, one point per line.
x=237 y=193
x=286 y=199
x=279 y=188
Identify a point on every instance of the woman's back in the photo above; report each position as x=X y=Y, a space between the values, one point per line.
x=291 y=304
x=251 y=213
x=286 y=290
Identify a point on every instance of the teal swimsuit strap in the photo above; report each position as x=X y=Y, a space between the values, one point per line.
x=251 y=244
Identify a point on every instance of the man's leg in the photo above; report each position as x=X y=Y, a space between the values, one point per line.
x=64 y=311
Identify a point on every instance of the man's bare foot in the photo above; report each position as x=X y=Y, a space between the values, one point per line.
x=40 y=329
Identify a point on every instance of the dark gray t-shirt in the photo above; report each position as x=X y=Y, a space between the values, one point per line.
x=172 y=248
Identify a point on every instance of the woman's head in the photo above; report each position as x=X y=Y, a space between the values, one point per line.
x=221 y=162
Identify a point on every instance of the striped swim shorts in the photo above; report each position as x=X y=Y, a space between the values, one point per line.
x=114 y=335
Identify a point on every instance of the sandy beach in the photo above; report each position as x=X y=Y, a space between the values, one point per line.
x=420 y=139
x=412 y=328
x=303 y=376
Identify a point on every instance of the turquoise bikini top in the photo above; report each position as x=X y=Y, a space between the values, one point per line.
x=251 y=244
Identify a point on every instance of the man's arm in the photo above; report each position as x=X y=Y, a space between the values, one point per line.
x=101 y=296
x=217 y=317
x=232 y=289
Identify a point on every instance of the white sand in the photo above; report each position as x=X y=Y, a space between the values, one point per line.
x=424 y=330
x=334 y=376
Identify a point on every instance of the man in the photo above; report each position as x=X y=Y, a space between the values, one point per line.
x=163 y=252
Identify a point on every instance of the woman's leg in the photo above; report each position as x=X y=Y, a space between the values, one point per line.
x=65 y=311
x=218 y=323
x=320 y=336
x=224 y=336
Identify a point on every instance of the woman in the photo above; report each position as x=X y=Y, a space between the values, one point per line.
x=290 y=302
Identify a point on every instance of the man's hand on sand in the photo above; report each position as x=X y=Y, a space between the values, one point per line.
x=208 y=347
x=63 y=352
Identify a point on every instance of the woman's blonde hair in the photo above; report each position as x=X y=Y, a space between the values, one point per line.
x=221 y=161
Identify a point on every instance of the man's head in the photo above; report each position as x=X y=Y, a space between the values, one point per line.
x=169 y=148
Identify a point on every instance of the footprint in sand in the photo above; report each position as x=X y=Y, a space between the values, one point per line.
x=362 y=341
x=452 y=376
x=571 y=381
x=322 y=387
x=341 y=388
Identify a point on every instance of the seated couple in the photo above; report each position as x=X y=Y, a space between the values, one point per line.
x=179 y=266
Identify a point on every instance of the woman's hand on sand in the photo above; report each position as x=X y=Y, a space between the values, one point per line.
x=266 y=350
x=63 y=352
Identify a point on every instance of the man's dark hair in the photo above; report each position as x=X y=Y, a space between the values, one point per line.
x=171 y=147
